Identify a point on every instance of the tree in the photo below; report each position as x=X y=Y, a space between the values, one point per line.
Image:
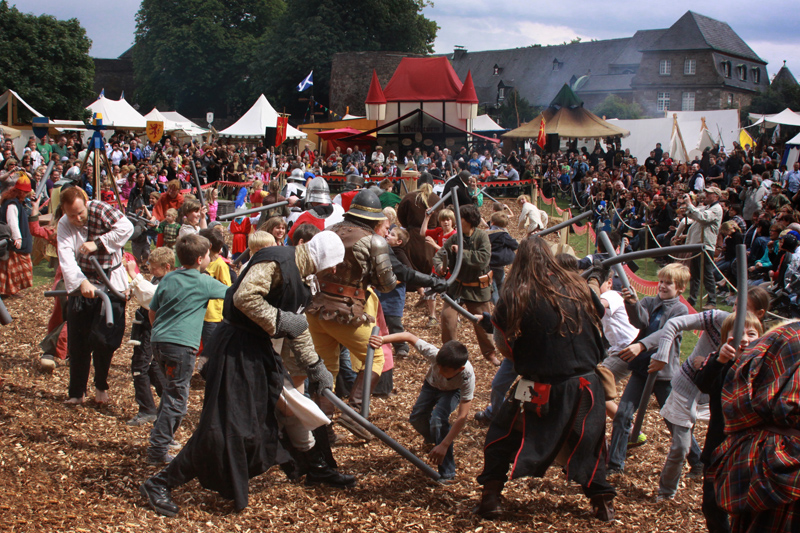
x=516 y=110
x=46 y=61
x=312 y=31
x=198 y=55
x=615 y=107
x=775 y=99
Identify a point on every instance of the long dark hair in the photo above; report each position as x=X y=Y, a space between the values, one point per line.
x=536 y=274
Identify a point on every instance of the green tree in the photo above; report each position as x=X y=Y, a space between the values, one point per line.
x=775 y=99
x=196 y=55
x=312 y=31
x=46 y=61
x=516 y=110
x=615 y=107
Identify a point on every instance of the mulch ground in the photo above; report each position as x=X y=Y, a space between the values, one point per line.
x=79 y=469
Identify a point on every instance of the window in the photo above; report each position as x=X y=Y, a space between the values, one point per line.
x=665 y=67
x=726 y=69
x=496 y=70
x=756 y=75
x=688 y=101
x=741 y=70
x=501 y=94
x=662 y=103
x=557 y=64
x=730 y=99
x=690 y=67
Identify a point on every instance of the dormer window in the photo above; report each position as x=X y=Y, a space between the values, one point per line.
x=756 y=75
x=741 y=71
x=726 y=69
x=496 y=70
x=665 y=67
x=557 y=64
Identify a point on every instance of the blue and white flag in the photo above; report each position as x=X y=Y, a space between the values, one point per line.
x=306 y=83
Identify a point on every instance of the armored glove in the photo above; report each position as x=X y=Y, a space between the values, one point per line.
x=319 y=374
x=290 y=325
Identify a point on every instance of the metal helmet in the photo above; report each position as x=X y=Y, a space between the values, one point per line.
x=366 y=205
x=354 y=181
x=297 y=175
x=318 y=191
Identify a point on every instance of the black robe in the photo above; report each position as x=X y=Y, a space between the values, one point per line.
x=237 y=435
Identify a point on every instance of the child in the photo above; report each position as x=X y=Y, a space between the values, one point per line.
x=450 y=382
x=176 y=312
x=649 y=315
x=258 y=195
x=304 y=233
x=106 y=194
x=170 y=228
x=531 y=217
x=145 y=371
x=213 y=205
x=394 y=301
x=276 y=226
x=503 y=247
x=219 y=270
x=259 y=240
x=435 y=237
x=194 y=218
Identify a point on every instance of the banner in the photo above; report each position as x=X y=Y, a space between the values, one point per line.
x=280 y=130
x=541 y=140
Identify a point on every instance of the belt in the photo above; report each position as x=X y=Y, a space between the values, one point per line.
x=336 y=289
x=490 y=275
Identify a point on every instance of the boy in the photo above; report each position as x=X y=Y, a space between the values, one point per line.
x=503 y=247
x=394 y=301
x=436 y=237
x=258 y=240
x=649 y=315
x=450 y=382
x=176 y=312
x=218 y=269
x=145 y=371
x=531 y=218
x=170 y=228
x=194 y=218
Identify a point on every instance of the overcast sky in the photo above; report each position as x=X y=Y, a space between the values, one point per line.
x=770 y=27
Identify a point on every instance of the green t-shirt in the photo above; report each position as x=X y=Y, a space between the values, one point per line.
x=61 y=151
x=45 y=149
x=180 y=304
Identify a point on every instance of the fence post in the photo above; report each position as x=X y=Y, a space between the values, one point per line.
x=646 y=230
x=699 y=302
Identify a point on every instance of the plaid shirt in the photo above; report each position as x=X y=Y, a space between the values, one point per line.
x=756 y=470
x=101 y=217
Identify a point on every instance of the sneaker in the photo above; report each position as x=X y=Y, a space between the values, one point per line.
x=165 y=459
x=482 y=418
x=47 y=363
x=663 y=497
x=141 y=419
x=641 y=439
x=432 y=322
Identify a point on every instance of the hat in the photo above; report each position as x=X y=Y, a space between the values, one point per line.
x=23 y=184
x=790 y=233
x=366 y=205
x=325 y=249
x=713 y=190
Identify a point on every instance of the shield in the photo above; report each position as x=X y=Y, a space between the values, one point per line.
x=40 y=126
x=155 y=130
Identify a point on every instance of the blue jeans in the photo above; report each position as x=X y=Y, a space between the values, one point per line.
x=628 y=405
x=430 y=416
x=498 y=275
x=177 y=364
x=502 y=381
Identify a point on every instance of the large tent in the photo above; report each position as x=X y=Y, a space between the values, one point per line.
x=722 y=124
x=257 y=119
x=485 y=124
x=566 y=117
x=174 y=121
x=787 y=117
x=118 y=114
x=792 y=152
x=683 y=139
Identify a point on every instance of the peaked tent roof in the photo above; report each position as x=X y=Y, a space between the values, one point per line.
x=375 y=94
x=156 y=116
x=10 y=95
x=566 y=97
x=174 y=121
x=697 y=32
x=118 y=114
x=485 y=123
x=794 y=140
x=423 y=79
x=787 y=117
x=259 y=117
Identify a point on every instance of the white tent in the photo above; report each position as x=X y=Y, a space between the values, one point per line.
x=187 y=126
x=787 y=117
x=645 y=133
x=792 y=152
x=118 y=114
x=723 y=123
x=259 y=117
x=485 y=123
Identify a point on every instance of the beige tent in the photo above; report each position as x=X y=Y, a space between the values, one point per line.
x=567 y=117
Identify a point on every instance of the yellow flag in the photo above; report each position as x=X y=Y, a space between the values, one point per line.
x=745 y=139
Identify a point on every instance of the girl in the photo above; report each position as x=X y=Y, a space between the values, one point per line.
x=16 y=272
x=276 y=226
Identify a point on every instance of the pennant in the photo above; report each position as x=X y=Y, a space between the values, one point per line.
x=306 y=83
x=280 y=130
x=745 y=139
x=102 y=93
x=541 y=140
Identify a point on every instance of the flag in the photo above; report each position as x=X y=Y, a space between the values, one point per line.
x=542 y=139
x=280 y=130
x=745 y=139
x=102 y=93
x=306 y=83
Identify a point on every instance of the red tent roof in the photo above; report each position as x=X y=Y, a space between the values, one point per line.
x=375 y=94
x=468 y=94
x=337 y=133
x=423 y=79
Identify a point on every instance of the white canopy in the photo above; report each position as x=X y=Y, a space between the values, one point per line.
x=794 y=140
x=174 y=121
x=787 y=117
x=9 y=95
x=485 y=123
x=348 y=116
x=259 y=117
x=722 y=123
x=118 y=114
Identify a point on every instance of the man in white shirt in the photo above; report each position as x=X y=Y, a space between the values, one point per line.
x=91 y=229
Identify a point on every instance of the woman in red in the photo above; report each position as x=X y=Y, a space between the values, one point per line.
x=16 y=272
x=241 y=228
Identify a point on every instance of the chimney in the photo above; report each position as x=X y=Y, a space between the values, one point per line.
x=459 y=52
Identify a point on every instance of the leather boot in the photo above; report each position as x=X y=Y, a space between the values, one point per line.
x=157 y=492
x=490 y=507
x=320 y=472
x=603 y=507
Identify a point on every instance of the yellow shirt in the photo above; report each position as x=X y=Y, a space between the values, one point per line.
x=217 y=269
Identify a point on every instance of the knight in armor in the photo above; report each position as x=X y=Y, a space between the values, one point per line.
x=244 y=413
x=352 y=186
x=321 y=212
x=343 y=312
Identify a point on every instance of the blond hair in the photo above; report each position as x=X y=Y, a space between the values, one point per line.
x=172 y=211
x=391 y=214
x=163 y=256
x=751 y=321
x=258 y=240
x=676 y=273
x=447 y=214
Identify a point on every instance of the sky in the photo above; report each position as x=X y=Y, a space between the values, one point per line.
x=770 y=27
